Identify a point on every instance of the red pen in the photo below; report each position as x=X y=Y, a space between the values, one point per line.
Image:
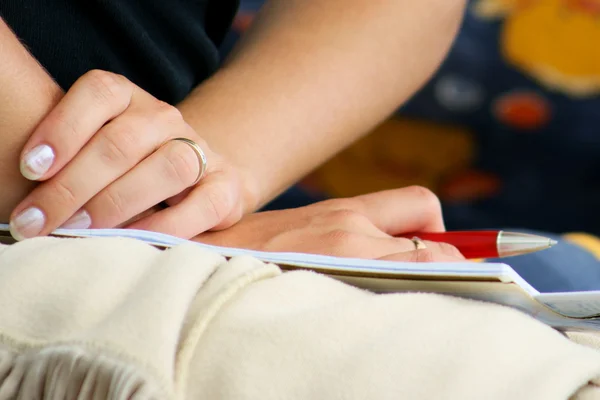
x=488 y=244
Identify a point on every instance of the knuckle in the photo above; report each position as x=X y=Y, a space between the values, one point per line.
x=105 y=86
x=168 y=112
x=62 y=194
x=424 y=194
x=345 y=218
x=341 y=215
x=113 y=203
x=218 y=202
x=424 y=255
x=426 y=197
x=340 y=239
x=61 y=124
x=181 y=166
x=341 y=204
x=118 y=143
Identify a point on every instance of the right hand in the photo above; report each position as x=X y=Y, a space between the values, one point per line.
x=360 y=227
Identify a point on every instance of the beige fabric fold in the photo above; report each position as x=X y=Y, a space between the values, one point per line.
x=118 y=319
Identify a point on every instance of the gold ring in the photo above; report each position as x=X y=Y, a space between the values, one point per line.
x=201 y=156
x=419 y=244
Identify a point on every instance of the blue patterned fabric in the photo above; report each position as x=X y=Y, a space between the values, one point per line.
x=550 y=174
x=549 y=171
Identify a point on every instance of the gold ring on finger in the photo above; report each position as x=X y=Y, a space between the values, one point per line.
x=199 y=153
x=419 y=244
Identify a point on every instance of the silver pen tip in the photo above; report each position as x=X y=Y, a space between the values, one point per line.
x=514 y=243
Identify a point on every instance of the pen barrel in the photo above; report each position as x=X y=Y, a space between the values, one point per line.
x=472 y=245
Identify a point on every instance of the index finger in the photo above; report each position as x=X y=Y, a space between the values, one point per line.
x=397 y=211
x=94 y=99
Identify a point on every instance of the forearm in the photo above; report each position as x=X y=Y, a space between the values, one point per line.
x=312 y=76
x=27 y=93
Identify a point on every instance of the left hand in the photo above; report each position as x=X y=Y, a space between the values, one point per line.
x=105 y=158
x=361 y=227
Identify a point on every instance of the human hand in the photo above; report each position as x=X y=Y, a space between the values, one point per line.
x=360 y=227
x=104 y=155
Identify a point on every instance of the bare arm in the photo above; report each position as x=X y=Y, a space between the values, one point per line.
x=311 y=77
x=27 y=94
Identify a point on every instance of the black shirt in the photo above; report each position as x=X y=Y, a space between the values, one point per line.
x=164 y=46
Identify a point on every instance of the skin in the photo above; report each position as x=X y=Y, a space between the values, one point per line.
x=336 y=69
x=331 y=106
x=360 y=227
x=27 y=94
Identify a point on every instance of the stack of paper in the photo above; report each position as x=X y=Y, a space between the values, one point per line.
x=494 y=282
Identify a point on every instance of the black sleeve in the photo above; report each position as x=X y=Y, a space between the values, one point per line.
x=165 y=46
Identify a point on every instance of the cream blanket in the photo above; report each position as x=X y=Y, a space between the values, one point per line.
x=117 y=319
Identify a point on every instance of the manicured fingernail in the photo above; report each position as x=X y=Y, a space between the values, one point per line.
x=81 y=220
x=27 y=224
x=37 y=162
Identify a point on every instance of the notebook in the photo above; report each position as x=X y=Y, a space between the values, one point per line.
x=491 y=282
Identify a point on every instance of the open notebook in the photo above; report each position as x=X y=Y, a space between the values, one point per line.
x=494 y=282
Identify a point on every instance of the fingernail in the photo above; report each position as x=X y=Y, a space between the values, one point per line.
x=37 y=161
x=27 y=224
x=81 y=220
